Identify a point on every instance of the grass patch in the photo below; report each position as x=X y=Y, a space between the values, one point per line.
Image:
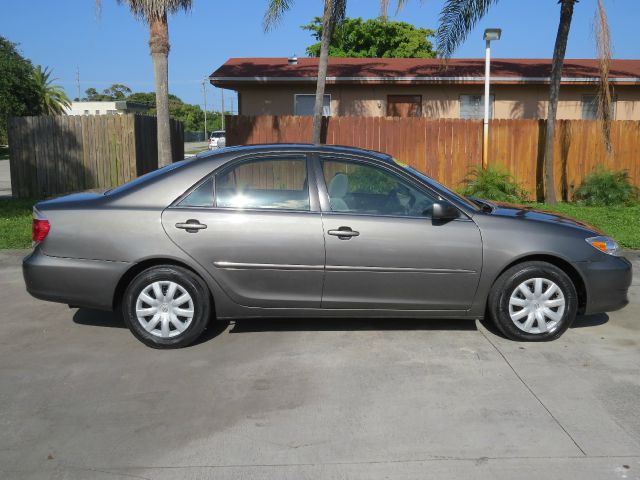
x=15 y=223
x=621 y=223
x=195 y=151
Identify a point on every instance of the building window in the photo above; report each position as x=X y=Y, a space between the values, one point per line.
x=303 y=104
x=472 y=106
x=404 y=105
x=590 y=107
x=86 y=112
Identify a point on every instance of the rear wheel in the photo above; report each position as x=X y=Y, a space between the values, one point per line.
x=166 y=307
x=533 y=301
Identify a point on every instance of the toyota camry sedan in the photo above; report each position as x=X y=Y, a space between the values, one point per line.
x=315 y=231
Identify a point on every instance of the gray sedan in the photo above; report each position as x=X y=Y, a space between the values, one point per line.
x=310 y=231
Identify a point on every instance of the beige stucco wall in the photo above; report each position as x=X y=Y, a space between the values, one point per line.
x=438 y=101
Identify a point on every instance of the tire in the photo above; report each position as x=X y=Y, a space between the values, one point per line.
x=525 y=305
x=165 y=323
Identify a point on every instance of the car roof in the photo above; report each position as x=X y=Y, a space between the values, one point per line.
x=299 y=147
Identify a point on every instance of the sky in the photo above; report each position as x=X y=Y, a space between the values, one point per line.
x=111 y=47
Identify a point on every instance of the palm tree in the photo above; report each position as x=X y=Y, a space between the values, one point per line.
x=53 y=99
x=154 y=13
x=458 y=17
x=333 y=14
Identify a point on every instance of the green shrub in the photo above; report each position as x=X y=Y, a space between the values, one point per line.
x=494 y=183
x=605 y=187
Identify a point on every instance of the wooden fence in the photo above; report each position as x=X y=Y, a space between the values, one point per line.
x=446 y=149
x=50 y=155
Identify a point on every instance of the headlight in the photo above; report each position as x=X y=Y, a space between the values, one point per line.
x=605 y=244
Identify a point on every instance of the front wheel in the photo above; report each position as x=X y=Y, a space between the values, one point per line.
x=533 y=301
x=166 y=307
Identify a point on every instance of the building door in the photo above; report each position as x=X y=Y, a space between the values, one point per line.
x=404 y=105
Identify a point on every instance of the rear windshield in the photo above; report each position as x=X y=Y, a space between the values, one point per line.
x=146 y=177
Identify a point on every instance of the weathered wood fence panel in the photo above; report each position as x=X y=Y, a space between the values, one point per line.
x=61 y=154
x=447 y=148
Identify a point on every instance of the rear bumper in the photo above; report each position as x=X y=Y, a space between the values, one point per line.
x=84 y=283
x=607 y=282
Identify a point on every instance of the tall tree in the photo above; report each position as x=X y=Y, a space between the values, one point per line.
x=457 y=19
x=53 y=99
x=333 y=14
x=373 y=38
x=155 y=13
x=18 y=91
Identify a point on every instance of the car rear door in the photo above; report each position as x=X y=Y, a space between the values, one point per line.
x=382 y=248
x=255 y=227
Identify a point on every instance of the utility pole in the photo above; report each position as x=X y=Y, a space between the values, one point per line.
x=78 y=81
x=204 y=94
x=222 y=107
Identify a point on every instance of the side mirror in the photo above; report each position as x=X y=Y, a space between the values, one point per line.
x=444 y=210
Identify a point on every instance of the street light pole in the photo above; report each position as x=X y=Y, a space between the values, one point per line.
x=204 y=94
x=222 y=105
x=489 y=34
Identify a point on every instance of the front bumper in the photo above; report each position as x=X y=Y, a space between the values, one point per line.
x=607 y=281
x=79 y=282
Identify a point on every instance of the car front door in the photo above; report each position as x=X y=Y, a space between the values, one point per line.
x=255 y=227
x=382 y=248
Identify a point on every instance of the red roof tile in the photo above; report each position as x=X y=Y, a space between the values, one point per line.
x=384 y=70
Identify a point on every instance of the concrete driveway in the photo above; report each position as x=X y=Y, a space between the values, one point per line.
x=81 y=398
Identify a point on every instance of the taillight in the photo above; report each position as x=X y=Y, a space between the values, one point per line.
x=39 y=229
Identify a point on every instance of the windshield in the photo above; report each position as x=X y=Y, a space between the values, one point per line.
x=438 y=186
x=146 y=177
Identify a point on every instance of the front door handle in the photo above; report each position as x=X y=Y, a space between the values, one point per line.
x=343 y=233
x=191 y=226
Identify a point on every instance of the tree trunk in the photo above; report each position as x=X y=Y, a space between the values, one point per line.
x=322 y=71
x=159 y=45
x=566 y=14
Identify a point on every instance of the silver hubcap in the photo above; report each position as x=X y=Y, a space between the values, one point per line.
x=537 y=306
x=164 y=309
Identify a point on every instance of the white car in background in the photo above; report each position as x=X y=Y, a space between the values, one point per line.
x=217 y=139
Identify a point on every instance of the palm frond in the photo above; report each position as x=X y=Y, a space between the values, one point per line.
x=338 y=12
x=457 y=19
x=604 y=98
x=155 y=9
x=275 y=11
x=53 y=99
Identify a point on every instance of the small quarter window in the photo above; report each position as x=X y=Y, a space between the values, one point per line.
x=201 y=196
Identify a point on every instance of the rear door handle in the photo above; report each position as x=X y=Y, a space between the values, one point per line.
x=343 y=233
x=191 y=226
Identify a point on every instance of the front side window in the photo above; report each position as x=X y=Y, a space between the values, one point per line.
x=472 y=106
x=360 y=188
x=264 y=183
x=303 y=105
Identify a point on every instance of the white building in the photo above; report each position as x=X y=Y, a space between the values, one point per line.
x=116 y=107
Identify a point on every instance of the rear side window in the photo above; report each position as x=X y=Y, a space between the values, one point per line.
x=271 y=183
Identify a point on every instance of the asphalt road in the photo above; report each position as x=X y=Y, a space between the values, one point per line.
x=399 y=399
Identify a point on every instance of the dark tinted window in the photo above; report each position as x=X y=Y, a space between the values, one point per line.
x=264 y=183
x=361 y=188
